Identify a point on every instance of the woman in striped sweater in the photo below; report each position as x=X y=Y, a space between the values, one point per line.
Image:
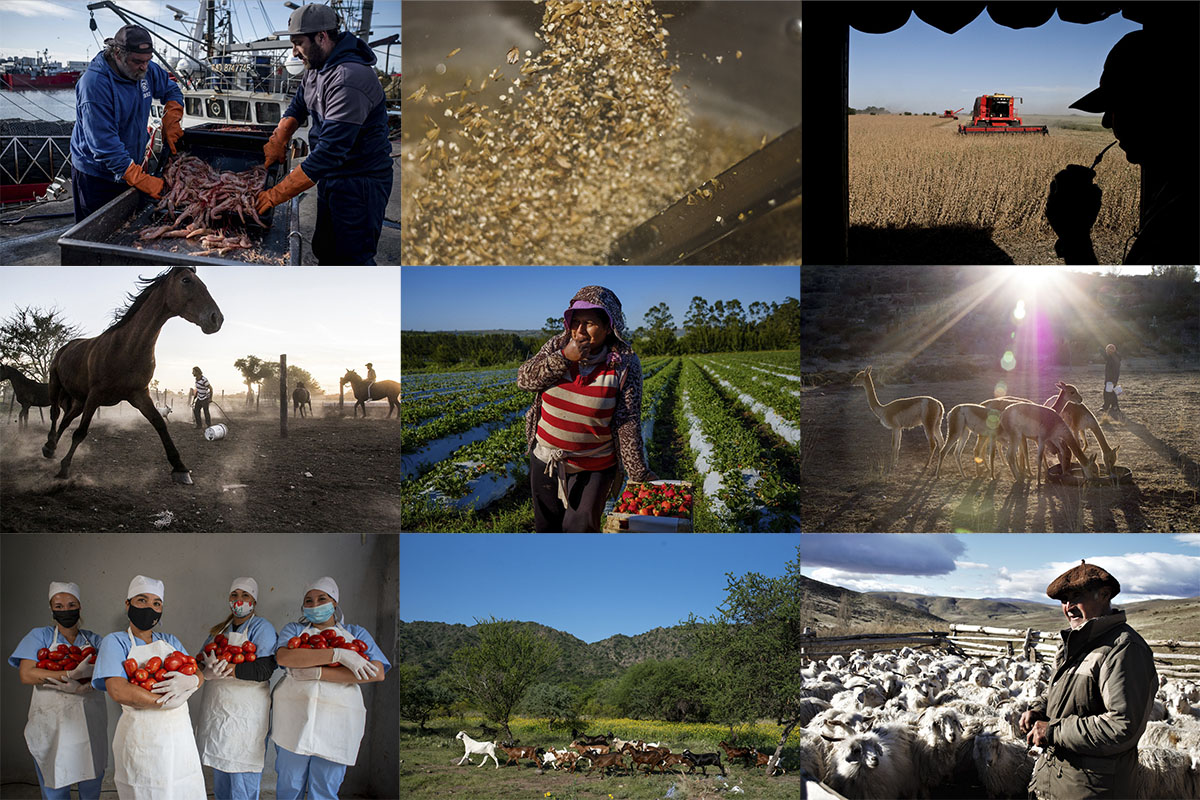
x=586 y=418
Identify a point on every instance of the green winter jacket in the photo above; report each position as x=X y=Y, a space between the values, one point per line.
x=1098 y=703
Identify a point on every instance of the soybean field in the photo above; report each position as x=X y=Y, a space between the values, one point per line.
x=728 y=423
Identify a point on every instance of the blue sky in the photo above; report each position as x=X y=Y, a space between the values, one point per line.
x=918 y=68
x=326 y=319
x=1019 y=566
x=631 y=584
x=521 y=298
x=61 y=26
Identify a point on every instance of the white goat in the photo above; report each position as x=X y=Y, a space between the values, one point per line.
x=1164 y=773
x=941 y=740
x=874 y=766
x=476 y=748
x=1003 y=765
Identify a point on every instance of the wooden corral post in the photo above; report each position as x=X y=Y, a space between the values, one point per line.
x=341 y=397
x=283 y=395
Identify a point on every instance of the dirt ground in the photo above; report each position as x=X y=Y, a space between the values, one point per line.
x=331 y=473
x=845 y=453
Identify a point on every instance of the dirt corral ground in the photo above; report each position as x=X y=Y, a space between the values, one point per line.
x=846 y=452
x=331 y=473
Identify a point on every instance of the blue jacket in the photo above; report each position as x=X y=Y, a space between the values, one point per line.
x=111 y=115
x=349 y=133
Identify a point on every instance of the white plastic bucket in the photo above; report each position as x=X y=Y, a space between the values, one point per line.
x=217 y=431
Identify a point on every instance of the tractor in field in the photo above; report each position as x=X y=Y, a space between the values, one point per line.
x=948 y=114
x=997 y=113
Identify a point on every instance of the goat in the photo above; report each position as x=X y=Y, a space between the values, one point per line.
x=648 y=758
x=579 y=737
x=590 y=750
x=1165 y=773
x=474 y=747
x=606 y=760
x=874 y=766
x=517 y=753
x=1004 y=765
x=768 y=760
x=671 y=760
x=703 y=760
x=744 y=753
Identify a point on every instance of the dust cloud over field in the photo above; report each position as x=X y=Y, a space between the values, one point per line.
x=919 y=173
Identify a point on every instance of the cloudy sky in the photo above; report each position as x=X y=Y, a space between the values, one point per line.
x=1016 y=566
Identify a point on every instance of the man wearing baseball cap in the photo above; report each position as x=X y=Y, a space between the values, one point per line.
x=112 y=107
x=1098 y=702
x=350 y=161
x=1138 y=96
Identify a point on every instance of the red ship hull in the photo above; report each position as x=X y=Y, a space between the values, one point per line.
x=16 y=80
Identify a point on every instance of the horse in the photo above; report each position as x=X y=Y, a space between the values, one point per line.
x=27 y=392
x=119 y=363
x=300 y=398
x=375 y=391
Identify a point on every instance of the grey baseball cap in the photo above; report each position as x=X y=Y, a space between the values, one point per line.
x=134 y=39
x=311 y=18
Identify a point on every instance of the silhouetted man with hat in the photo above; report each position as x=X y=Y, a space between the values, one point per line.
x=1098 y=702
x=112 y=107
x=1139 y=97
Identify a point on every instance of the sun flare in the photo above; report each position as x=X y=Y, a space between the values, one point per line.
x=1030 y=280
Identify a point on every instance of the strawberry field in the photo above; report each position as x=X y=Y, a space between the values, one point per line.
x=728 y=424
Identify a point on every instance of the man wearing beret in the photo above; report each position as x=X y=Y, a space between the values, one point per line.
x=1098 y=702
x=112 y=107
x=351 y=158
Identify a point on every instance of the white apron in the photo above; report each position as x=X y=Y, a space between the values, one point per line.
x=319 y=718
x=153 y=749
x=235 y=716
x=61 y=730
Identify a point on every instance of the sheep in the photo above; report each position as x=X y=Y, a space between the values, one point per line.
x=1165 y=773
x=809 y=708
x=814 y=754
x=473 y=747
x=823 y=690
x=941 y=741
x=837 y=724
x=1003 y=764
x=874 y=766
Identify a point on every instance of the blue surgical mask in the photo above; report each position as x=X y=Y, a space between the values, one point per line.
x=319 y=613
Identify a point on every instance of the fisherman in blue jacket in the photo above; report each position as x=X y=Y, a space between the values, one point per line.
x=350 y=159
x=112 y=107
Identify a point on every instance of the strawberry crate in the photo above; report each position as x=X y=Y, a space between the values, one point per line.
x=654 y=493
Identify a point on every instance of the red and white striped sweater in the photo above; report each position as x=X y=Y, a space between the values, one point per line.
x=577 y=418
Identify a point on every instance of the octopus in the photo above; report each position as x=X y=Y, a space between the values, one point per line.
x=207 y=201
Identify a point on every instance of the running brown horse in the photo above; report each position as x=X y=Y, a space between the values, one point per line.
x=27 y=392
x=301 y=398
x=119 y=363
x=374 y=391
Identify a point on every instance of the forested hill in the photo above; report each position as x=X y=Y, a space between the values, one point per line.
x=430 y=645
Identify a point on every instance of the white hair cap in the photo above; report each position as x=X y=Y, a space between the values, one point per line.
x=327 y=585
x=143 y=585
x=60 y=586
x=247 y=585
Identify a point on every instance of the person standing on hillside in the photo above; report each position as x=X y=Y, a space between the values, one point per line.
x=203 y=394
x=586 y=415
x=1098 y=702
x=1112 y=372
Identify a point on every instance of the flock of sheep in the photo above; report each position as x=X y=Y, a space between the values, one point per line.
x=900 y=724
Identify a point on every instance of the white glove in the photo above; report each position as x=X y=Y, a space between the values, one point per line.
x=62 y=683
x=362 y=669
x=176 y=683
x=215 y=668
x=175 y=700
x=84 y=670
x=305 y=673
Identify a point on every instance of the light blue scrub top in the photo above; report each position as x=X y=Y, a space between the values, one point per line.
x=257 y=630
x=373 y=651
x=38 y=638
x=114 y=649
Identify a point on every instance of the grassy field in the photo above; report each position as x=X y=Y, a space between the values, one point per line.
x=429 y=769
x=918 y=172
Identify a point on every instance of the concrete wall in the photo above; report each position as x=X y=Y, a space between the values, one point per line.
x=197 y=570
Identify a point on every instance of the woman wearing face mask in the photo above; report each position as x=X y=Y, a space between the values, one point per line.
x=154 y=752
x=235 y=711
x=318 y=716
x=67 y=732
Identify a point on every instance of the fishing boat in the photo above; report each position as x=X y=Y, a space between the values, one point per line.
x=16 y=74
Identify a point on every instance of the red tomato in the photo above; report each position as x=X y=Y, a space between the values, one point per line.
x=238 y=658
x=188 y=669
x=329 y=633
x=141 y=675
x=130 y=666
x=306 y=646
x=160 y=674
x=226 y=657
x=87 y=651
x=54 y=655
x=359 y=645
x=43 y=664
x=147 y=685
x=74 y=650
x=190 y=660
x=304 y=637
x=318 y=644
x=293 y=643
x=235 y=649
x=69 y=663
x=43 y=653
x=64 y=648
x=154 y=664
x=172 y=663
x=249 y=647
x=221 y=640
x=251 y=657
x=92 y=659
x=210 y=647
x=334 y=664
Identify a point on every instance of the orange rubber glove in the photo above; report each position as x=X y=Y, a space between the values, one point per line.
x=138 y=179
x=276 y=146
x=293 y=184
x=172 y=130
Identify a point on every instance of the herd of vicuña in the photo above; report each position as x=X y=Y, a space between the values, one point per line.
x=1059 y=427
x=904 y=724
x=610 y=752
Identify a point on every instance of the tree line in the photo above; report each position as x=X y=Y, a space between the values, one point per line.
x=745 y=667
x=720 y=326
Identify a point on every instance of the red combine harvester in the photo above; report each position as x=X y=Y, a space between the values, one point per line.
x=948 y=114
x=997 y=113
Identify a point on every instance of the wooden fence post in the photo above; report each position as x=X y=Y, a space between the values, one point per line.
x=283 y=395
